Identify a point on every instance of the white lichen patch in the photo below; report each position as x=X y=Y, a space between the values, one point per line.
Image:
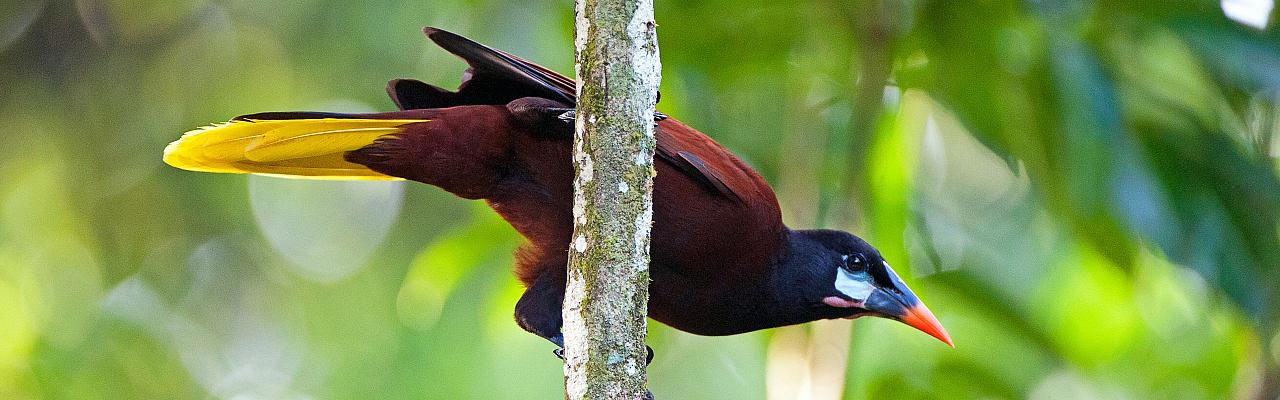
x=581 y=30
x=580 y=244
x=579 y=212
x=623 y=187
x=575 y=337
x=644 y=57
x=631 y=367
x=644 y=54
x=587 y=171
x=644 y=222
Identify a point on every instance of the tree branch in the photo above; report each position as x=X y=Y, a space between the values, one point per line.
x=606 y=297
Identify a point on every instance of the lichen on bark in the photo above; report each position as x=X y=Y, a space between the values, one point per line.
x=606 y=297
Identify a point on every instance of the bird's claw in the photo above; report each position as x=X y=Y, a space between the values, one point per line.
x=570 y=114
x=648 y=358
x=648 y=395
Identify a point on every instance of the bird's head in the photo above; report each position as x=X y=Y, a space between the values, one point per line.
x=855 y=281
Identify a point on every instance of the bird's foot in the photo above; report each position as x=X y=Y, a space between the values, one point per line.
x=569 y=114
x=648 y=358
x=559 y=353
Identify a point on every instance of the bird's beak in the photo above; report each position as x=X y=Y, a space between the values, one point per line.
x=895 y=301
x=904 y=306
x=901 y=304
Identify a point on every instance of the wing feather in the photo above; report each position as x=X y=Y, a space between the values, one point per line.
x=498 y=77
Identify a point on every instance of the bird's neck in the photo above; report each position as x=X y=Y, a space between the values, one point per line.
x=789 y=295
x=735 y=304
x=780 y=296
x=786 y=295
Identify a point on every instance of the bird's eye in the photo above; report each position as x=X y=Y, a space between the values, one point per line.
x=855 y=262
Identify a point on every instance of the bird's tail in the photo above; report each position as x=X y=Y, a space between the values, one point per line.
x=296 y=145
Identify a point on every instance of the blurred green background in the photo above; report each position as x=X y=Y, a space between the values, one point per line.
x=1085 y=192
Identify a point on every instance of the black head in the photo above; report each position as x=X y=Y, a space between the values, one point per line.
x=853 y=280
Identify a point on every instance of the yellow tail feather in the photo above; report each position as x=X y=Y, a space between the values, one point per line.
x=296 y=148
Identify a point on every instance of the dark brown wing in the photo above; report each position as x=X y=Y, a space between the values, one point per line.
x=498 y=77
x=494 y=77
x=711 y=165
x=704 y=195
x=493 y=65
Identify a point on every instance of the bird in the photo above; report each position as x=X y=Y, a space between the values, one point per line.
x=722 y=261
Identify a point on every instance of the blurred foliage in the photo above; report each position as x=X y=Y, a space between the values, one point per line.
x=1086 y=192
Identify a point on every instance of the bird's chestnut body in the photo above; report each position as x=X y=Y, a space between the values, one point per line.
x=710 y=252
x=722 y=262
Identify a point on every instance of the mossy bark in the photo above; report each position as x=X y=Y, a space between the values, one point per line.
x=606 y=299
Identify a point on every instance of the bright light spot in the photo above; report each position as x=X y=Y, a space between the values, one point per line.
x=246 y=356
x=16 y=17
x=1064 y=385
x=787 y=373
x=135 y=301
x=1275 y=348
x=18 y=333
x=326 y=229
x=1254 y=13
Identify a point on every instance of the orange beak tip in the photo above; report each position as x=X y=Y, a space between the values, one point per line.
x=921 y=318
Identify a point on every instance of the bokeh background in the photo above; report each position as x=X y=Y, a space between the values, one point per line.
x=1085 y=192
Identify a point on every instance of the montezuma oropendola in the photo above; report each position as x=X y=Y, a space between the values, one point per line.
x=722 y=261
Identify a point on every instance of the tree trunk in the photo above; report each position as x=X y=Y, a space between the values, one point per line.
x=605 y=303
